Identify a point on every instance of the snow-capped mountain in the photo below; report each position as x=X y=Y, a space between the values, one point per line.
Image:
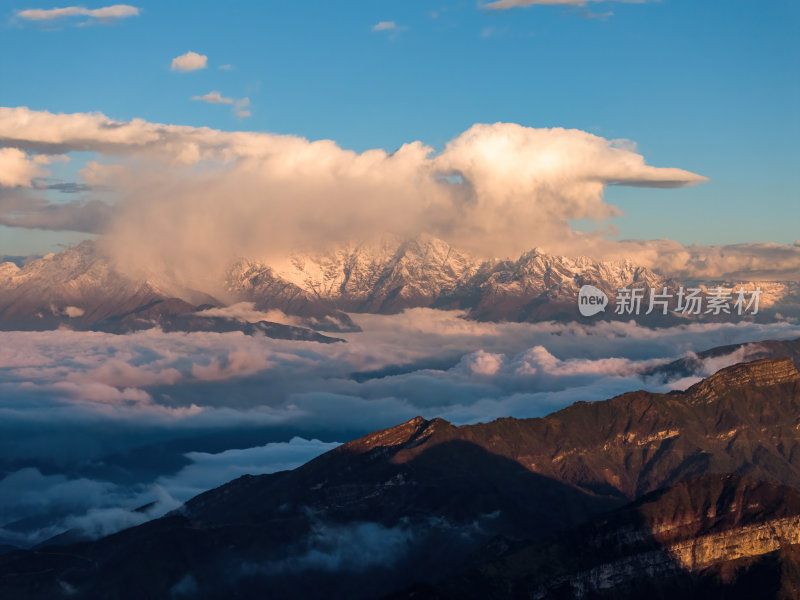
x=381 y=277
x=392 y=275
x=81 y=288
x=78 y=283
x=539 y=286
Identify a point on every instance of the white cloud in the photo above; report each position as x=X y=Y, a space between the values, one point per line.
x=97 y=508
x=18 y=169
x=191 y=61
x=74 y=311
x=245 y=311
x=213 y=98
x=209 y=470
x=384 y=26
x=107 y=13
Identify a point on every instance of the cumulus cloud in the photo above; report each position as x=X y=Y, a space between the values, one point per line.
x=508 y=4
x=104 y=14
x=191 y=61
x=261 y=195
x=18 y=168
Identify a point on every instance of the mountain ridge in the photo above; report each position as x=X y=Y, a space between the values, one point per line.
x=80 y=288
x=449 y=491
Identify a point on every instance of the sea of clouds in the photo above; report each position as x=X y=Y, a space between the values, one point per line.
x=94 y=426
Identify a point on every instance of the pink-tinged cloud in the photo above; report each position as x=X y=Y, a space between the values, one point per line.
x=213 y=98
x=494 y=191
x=191 y=61
x=509 y=4
x=106 y=13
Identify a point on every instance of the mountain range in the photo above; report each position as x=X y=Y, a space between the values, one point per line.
x=686 y=494
x=80 y=288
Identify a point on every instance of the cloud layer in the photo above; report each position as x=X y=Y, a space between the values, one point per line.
x=415 y=362
x=94 y=426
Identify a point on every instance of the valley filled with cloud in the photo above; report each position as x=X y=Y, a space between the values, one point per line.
x=95 y=426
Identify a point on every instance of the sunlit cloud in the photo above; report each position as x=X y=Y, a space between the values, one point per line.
x=256 y=190
x=191 y=61
x=104 y=14
x=213 y=98
x=509 y=4
x=17 y=168
x=526 y=182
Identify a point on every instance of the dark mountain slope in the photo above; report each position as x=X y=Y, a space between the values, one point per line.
x=417 y=501
x=718 y=536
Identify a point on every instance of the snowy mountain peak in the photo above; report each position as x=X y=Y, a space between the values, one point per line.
x=386 y=275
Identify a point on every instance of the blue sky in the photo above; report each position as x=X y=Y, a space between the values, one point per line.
x=711 y=87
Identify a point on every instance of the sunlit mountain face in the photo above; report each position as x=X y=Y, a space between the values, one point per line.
x=491 y=300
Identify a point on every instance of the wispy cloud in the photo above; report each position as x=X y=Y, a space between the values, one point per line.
x=213 y=98
x=241 y=106
x=191 y=61
x=104 y=14
x=603 y=16
x=384 y=26
x=508 y=4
